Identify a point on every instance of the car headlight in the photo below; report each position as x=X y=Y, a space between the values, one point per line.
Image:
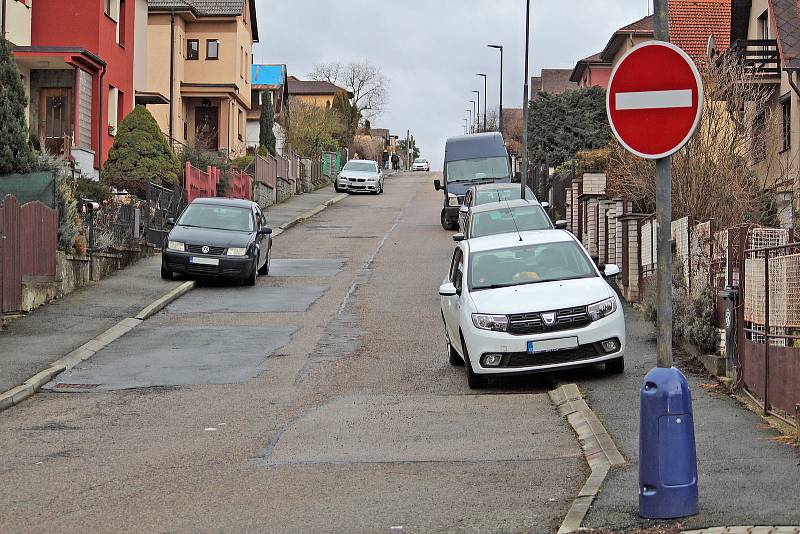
x=452 y=200
x=601 y=309
x=237 y=251
x=176 y=245
x=498 y=323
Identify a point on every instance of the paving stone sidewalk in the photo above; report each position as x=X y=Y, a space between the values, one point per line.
x=32 y=343
x=746 y=530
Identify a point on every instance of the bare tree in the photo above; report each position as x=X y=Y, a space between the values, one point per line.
x=366 y=82
x=729 y=169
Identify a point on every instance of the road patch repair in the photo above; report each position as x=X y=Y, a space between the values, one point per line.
x=365 y=429
x=248 y=299
x=311 y=268
x=599 y=449
x=160 y=356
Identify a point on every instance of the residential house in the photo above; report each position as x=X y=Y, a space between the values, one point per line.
x=268 y=81
x=78 y=70
x=200 y=56
x=372 y=143
x=319 y=93
x=553 y=81
x=765 y=35
x=592 y=71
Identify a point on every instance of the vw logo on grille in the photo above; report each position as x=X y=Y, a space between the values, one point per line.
x=549 y=319
x=205 y=249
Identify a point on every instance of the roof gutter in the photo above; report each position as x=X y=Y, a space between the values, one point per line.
x=790 y=75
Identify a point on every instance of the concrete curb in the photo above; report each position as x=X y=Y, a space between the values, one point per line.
x=17 y=394
x=161 y=303
x=307 y=215
x=598 y=448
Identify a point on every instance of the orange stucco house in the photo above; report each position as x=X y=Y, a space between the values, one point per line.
x=200 y=54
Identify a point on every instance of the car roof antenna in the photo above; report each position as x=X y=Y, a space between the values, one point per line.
x=514 y=219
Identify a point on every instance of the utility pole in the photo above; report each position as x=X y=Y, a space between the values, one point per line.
x=524 y=178
x=664 y=216
x=500 y=47
x=485 y=92
x=478 y=116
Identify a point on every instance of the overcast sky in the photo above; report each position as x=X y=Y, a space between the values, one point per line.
x=431 y=49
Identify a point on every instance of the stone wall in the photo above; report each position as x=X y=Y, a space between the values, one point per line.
x=263 y=195
x=285 y=188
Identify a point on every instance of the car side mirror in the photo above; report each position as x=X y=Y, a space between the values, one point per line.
x=610 y=270
x=437 y=184
x=265 y=231
x=463 y=209
x=171 y=221
x=560 y=224
x=458 y=237
x=546 y=205
x=448 y=290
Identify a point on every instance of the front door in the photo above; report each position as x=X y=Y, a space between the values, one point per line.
x=206 y=125
x=55 y=118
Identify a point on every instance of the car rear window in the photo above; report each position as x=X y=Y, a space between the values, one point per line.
x=218 y=217
x=502 y=221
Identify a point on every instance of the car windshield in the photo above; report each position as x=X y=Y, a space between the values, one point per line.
x=469 y=170
x=505 y=220
x=359 y=166
x=485 y=196
x=531 y=264
x=420 y=161
x=218 y=217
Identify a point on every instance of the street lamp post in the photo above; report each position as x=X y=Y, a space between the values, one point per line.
x=484 y=100
x=524 y=178
x=473 y=108
x=478 y=115
x=470 y=111
x=466 y=121
x=500 y=47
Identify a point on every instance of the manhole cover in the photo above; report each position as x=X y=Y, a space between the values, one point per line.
x=75 y=386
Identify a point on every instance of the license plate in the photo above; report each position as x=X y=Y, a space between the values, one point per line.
x=204 y=261
x=550 y=345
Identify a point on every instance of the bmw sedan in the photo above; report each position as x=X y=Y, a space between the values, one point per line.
x=219 y=237
x=360 y=175
x=529 y=303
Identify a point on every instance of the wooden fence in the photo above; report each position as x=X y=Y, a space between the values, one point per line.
x=28 y=242
x=240 y=185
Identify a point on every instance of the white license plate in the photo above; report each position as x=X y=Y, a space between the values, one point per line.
x=204 y=261
x=550 y=345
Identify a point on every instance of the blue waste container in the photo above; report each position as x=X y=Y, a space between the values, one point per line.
x=667 y=456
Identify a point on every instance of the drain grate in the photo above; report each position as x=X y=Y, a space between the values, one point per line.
x=75 y=386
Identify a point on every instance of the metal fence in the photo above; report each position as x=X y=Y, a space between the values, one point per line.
x=161 y=204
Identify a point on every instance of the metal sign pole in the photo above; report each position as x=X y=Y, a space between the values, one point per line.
x=523 y=181
x=664 y=217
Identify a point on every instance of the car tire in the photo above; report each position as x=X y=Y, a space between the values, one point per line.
x=445 y=224
x=474 y=380
x=380 y=191
x=453 y=357
x=250 y=281
x=336 y=187
x=615 y=366
x=166 y=274
x=264 y=270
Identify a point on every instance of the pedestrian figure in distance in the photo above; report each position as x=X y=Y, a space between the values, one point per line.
x=395 y=162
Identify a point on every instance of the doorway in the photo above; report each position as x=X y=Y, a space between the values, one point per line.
x=55 y=118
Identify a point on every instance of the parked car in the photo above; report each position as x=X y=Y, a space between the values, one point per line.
x=470 y=160
x=219 y=237
x=360 y=175
x=529 y=303
x=494 y=192
x=421 y=165
x=505 y=217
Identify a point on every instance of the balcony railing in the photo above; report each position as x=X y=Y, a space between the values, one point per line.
x=760 y=58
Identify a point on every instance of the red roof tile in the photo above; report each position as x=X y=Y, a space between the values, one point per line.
x=692 y=22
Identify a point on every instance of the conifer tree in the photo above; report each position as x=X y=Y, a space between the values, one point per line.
x=15 y=155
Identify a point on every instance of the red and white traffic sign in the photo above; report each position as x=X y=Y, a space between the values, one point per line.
x=654 y=99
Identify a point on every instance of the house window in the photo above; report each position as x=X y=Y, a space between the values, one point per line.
x=759 y=148
x=241 y=125
x=120 y=107
x=121 y=24
x=212 y=49
x=786 y=126
x=113 y=109
x=192 y=49
x=763 y=26
x=111 y=9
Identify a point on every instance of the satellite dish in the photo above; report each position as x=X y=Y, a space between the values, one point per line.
x=711 y=48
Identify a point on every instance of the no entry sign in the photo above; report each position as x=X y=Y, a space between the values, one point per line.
x=655 y=99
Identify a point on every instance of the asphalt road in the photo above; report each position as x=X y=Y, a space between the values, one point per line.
x=319 y=401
